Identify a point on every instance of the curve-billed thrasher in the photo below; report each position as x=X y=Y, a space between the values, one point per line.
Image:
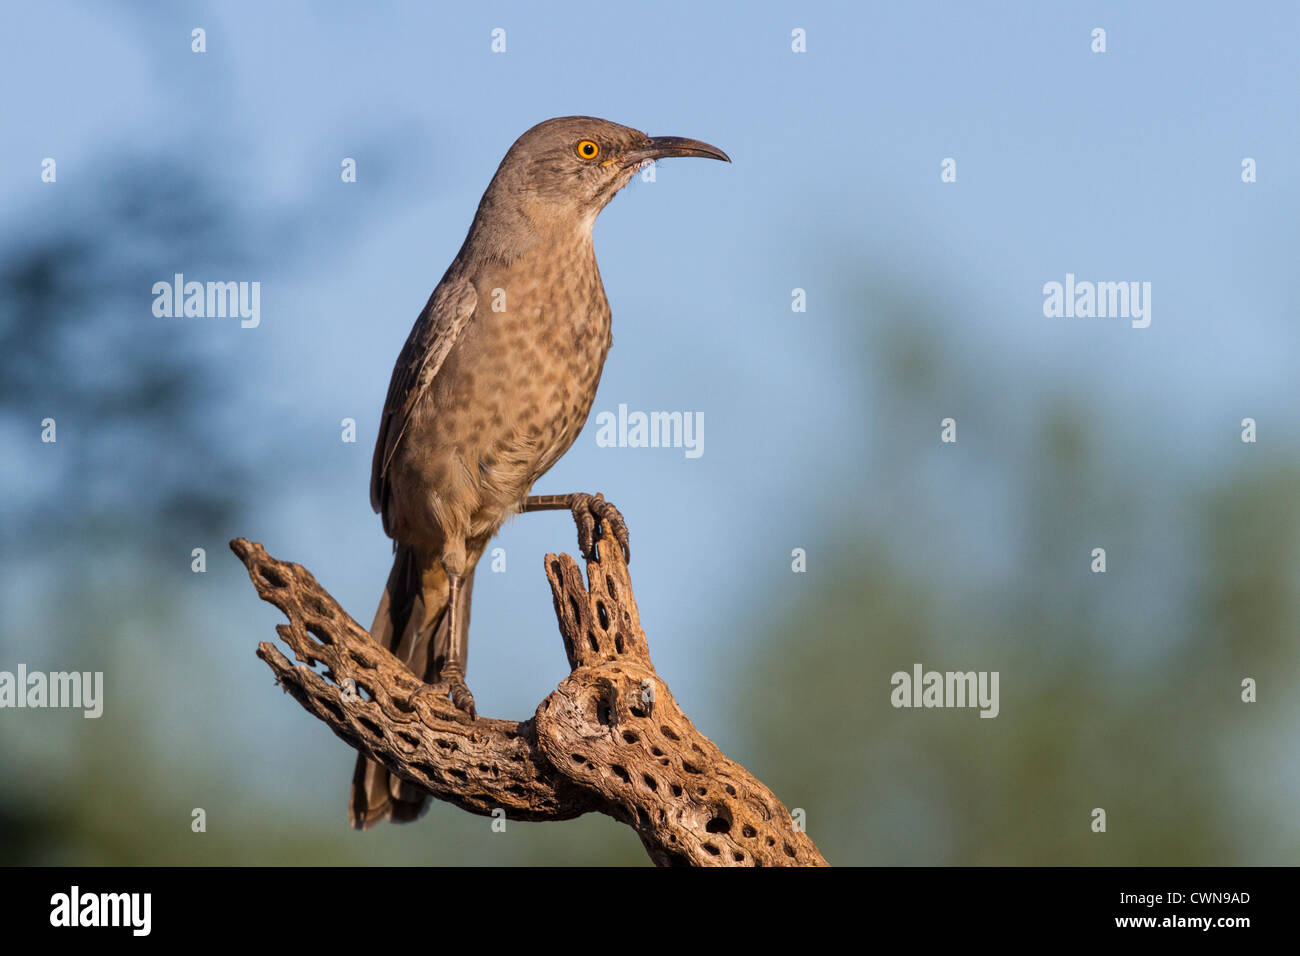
x=492 y=387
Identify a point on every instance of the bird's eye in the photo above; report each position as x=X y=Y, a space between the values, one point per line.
x=587 y=149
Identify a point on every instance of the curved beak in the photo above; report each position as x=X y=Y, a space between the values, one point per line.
x=661 y=147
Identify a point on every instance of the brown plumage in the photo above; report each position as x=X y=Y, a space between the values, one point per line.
x=493 y=385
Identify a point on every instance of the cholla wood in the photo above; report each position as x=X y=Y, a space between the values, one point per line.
x=610 y=738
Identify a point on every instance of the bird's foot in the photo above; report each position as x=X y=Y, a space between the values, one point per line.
x=589 y=511
x=451 y=685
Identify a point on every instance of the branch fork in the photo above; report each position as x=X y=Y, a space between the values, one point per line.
x=609 y=739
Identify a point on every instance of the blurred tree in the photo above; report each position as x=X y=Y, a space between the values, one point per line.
x=1119 y=691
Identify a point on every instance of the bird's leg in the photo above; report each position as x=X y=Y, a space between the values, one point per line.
x=588 y=513
x=453 y=668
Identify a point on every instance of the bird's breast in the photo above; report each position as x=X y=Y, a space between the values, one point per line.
x=518 y=385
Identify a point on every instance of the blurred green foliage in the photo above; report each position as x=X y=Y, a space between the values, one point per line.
x=1119 y=690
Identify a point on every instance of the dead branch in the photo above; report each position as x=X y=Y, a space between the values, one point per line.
x=609 y=739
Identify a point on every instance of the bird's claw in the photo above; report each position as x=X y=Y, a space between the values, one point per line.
x=453 y=686
x=589 y=512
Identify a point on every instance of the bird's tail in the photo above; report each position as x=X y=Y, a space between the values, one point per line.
x=412 y=622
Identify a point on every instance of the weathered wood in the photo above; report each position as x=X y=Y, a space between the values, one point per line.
x=609 y=739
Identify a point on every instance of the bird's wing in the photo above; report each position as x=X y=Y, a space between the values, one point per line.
x=435 y=332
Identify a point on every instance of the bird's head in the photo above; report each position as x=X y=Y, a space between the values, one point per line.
x=575 y=164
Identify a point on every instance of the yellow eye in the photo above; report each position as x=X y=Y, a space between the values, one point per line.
x=588 y=150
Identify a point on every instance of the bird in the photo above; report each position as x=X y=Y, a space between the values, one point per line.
x=494 y=384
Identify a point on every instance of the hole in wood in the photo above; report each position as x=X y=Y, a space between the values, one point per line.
x=271 y=575
x=316 y=631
